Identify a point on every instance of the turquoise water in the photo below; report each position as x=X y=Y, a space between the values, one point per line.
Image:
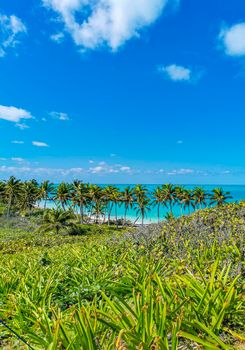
x=237 y=193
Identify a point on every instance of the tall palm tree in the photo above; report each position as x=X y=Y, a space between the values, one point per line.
x=98 y=209
x=46 y=191
x=94 y=195
x=29 y=195
x=142 y=201
x=143 y=206
x=127 y=198
x=57 y=220
x=179 y=193
x=63 y=194
x=158 y=200
x=80 y=196
x=187 y=200
x=110 y=194
x=219 y=196
x=200 y=197
x=12 y=192
x=169 y=195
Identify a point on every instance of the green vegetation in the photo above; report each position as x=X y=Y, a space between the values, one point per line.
x=174 y=285
x=95 y=203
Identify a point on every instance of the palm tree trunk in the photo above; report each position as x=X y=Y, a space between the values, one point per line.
x=125 y=215
x=104 y=217
x=136 y=220
x=171 y=207
x=116 y=213
x=158 y=212
x=109 y=213
x=81 y=212
x=9 y=206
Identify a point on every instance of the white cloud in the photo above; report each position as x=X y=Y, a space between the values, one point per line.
x=22 y=126
x=59 y=115
x=76 y=170
x=13 y=114
x=182 y=171
x=97 y=169
x=10 y=170
x=17 y=159
x=2 y=52
x=176 y=73
x=96 y=23
x=233 y=39
x=125 y=168
x=58 y=37
x=17 y=142
x=30 y=172
x=39 y=144
x=11 y=27
x=104 y=168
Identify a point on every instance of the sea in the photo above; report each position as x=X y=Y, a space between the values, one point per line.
x=236 y=191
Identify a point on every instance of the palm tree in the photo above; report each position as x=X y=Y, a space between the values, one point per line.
x=12 y=192
x=57 y=220
x=46 y=191
x=98 y=209
x=219 y=196
x=200 y=197
x=94 y=195
x=142 y=201
x=187 y=200
x=179 y=192
x=143 y=206
x=128 y=200
x=2 y=191
x=158 y=200
x=80 y=196
x=140 y=190
x=115 y=199
x=110 y=194
x=169 y=195
x=29 y=195
x=63 y=194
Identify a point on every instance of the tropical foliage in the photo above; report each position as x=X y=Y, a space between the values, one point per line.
x=174 y=285
x=56 y=220
x=97 y=203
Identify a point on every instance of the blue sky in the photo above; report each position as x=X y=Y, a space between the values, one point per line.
x=116 y=91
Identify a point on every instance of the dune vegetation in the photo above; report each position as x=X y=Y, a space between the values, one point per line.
x=67 y=283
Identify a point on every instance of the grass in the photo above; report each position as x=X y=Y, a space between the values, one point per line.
x=178 y=285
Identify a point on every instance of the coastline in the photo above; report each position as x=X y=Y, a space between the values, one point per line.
x=130 y=218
